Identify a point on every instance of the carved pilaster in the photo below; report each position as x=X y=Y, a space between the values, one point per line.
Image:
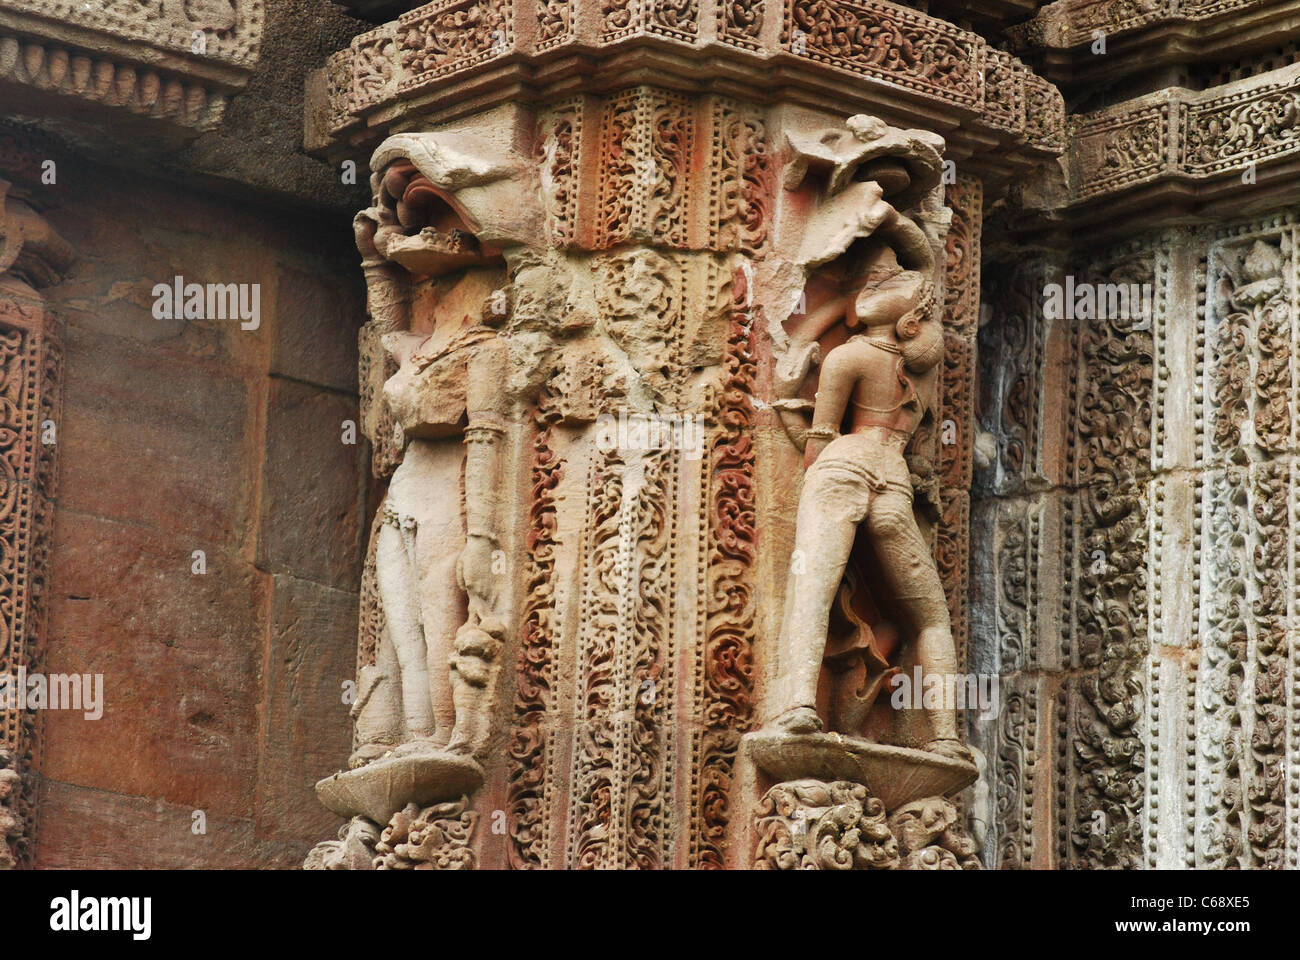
x=31 y=256
x=651 y=253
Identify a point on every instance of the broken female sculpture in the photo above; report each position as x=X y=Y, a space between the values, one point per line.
x=871 y=297
x=437 y=297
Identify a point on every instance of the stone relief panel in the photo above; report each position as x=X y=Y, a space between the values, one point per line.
x=565 y=373
x=1247 y=602
x=1069 y=495
x=850 y=624
x=1164 y=701
x=1176 y=133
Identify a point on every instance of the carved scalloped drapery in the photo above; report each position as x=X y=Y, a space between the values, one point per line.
x=172 y=61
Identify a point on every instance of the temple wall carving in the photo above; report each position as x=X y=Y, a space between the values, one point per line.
x=717 y=374
x=32 y=255
x=1159 y=698
x=169 y=61
x=646 y=259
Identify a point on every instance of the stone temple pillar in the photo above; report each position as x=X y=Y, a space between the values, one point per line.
x=1139 y=511
x=609 y=251
x=32 y=256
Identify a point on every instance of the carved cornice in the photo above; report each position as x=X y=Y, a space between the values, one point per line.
x=1142 y=35
x=1186 y=137
x=451 y=57
x=174 y=61
x=1072 y=23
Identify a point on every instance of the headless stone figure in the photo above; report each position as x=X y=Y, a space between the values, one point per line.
x=437 y=577
x=416 y=553
x=885 y=380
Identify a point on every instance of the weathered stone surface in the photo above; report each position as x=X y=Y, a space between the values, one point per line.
x=604 y=586
x=314 y=330
x=310 y=660
x=90 y=829
x=181 y=657
x=310 y=521
x=187 y=442
x=162 y=447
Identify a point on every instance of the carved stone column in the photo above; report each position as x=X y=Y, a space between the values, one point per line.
x=32 y=256
x=1139 y=392
x=599 y=241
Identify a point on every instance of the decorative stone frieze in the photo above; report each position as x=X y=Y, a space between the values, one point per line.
x=508 y=49
x=1187 y=138
x=1078 y=41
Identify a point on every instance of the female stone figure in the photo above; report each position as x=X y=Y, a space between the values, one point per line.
x=880 y=383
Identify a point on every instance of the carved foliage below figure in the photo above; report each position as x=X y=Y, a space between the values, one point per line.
x=932 y=836
x=432 y=838
x=814 y=825
x=353 y=850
